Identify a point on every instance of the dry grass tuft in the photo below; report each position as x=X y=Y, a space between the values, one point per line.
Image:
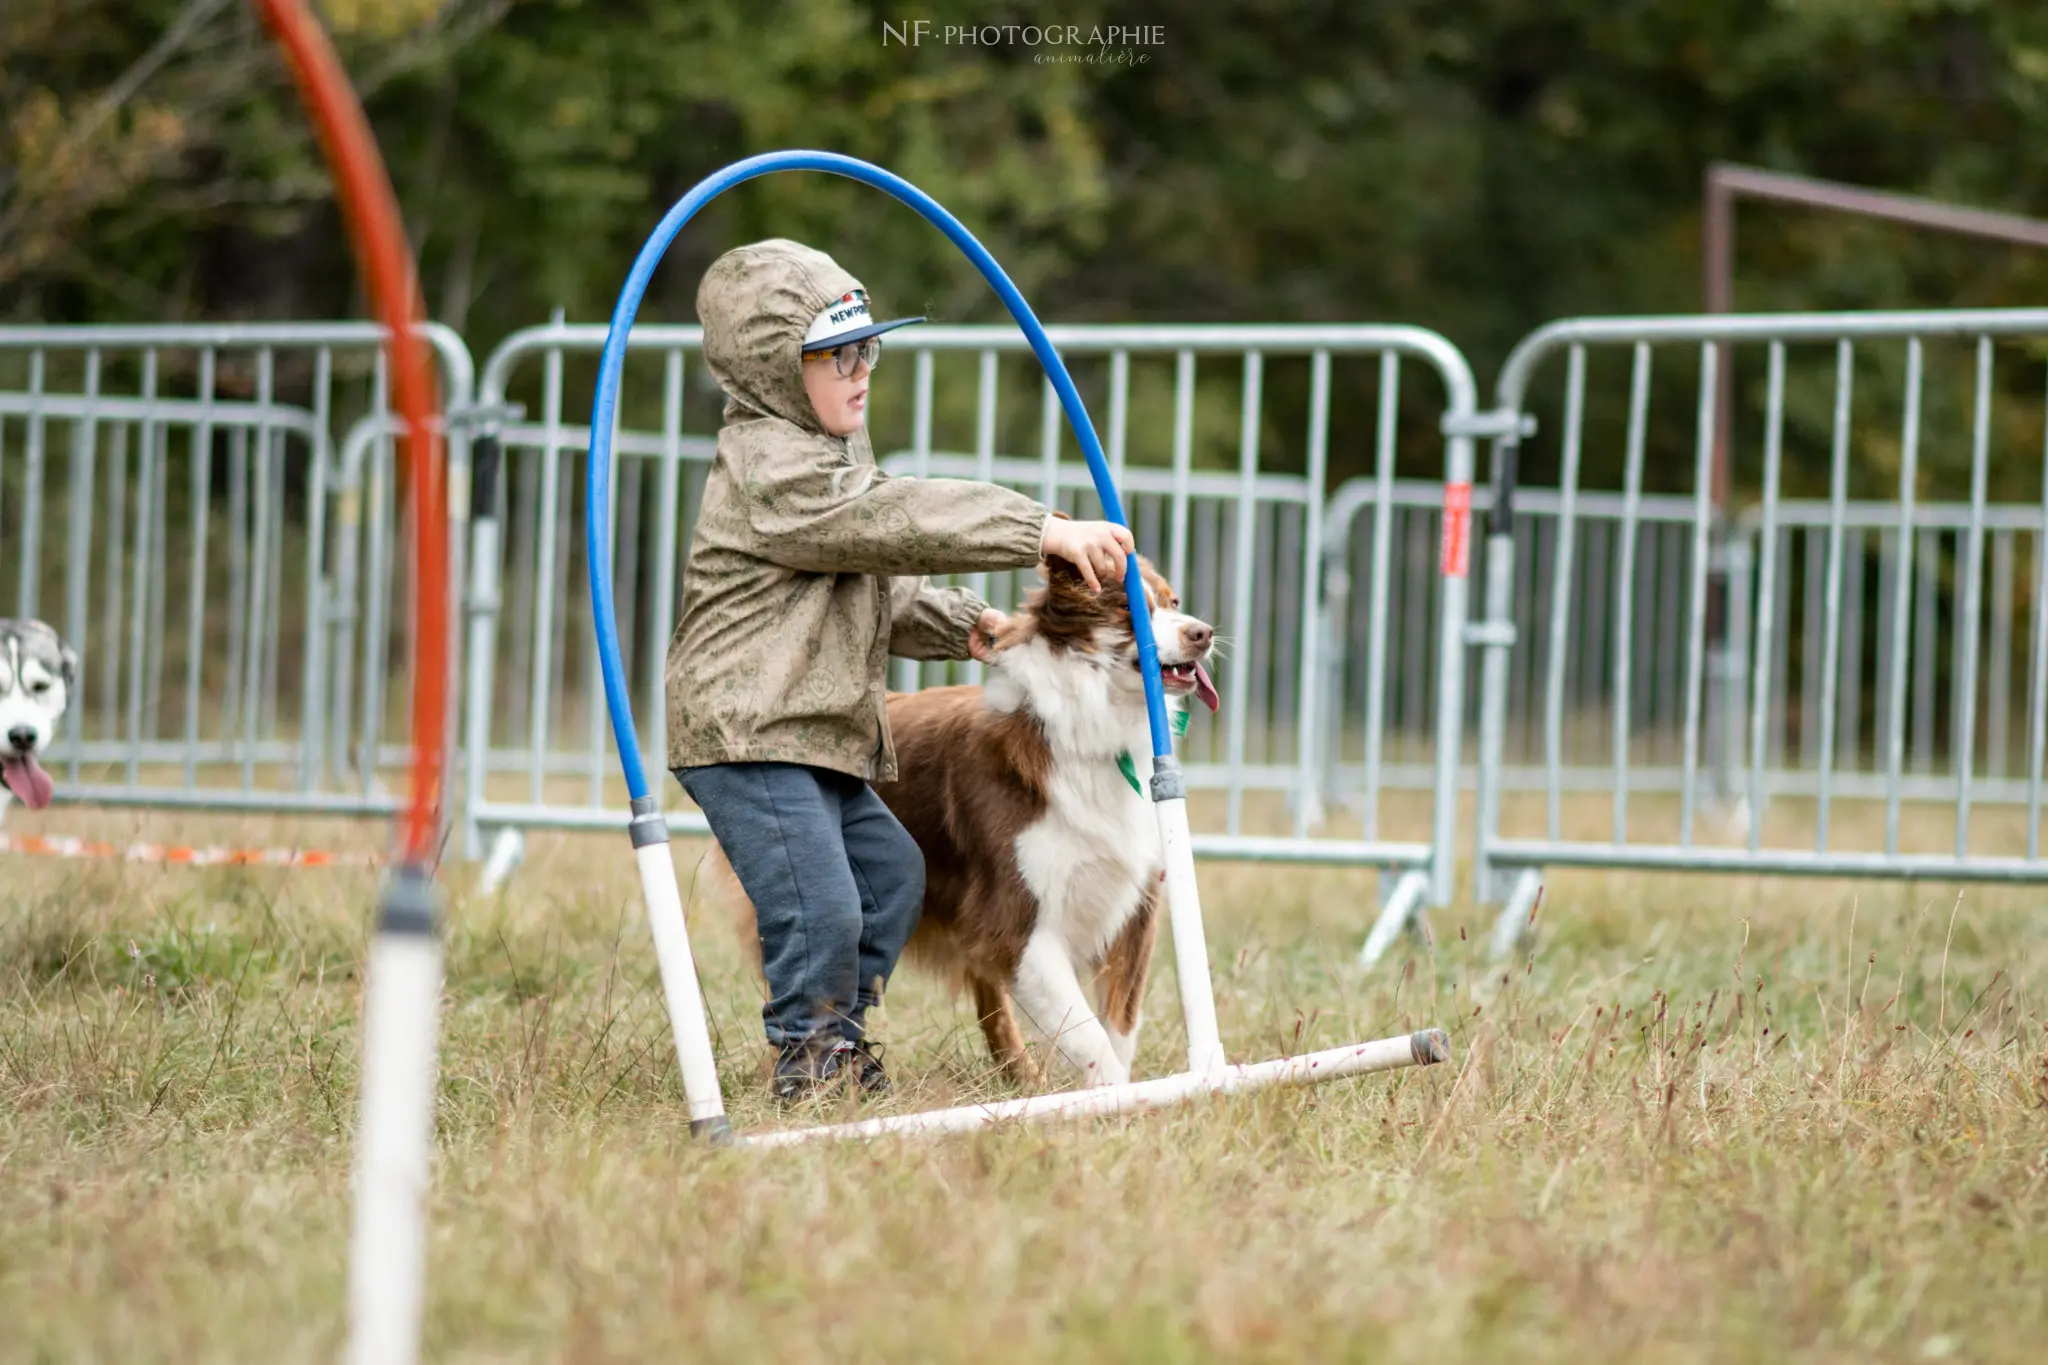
x=1704 y=1119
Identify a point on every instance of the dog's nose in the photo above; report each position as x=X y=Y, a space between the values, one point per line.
x=21 y=738
x=1197 y=636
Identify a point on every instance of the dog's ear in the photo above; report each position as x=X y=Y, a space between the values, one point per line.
x=1062 y=573
x=67 y=666
x=1157 y=589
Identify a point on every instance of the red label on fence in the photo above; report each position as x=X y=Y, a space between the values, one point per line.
x=1457 y=528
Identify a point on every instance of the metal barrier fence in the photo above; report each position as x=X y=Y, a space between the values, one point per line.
x=1588 y=641
x=1853 y=689
x=209 y=515
x=203 y=549
x=1307 y=681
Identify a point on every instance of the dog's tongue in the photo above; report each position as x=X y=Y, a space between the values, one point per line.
x=1205 y=689
x=27 y=780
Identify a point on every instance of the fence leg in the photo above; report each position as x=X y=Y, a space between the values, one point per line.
x=1403 y=910
x=1513 y=924
x=508 y=851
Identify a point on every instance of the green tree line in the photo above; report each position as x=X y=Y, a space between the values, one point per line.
x=1477 y=167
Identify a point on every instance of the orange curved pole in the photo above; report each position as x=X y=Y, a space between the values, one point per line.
x=378 y=235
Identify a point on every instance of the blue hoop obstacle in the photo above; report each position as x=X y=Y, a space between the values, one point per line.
x=1207 y=1070
x=605 y=408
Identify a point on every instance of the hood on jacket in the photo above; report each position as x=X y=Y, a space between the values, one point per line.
x=755 y=303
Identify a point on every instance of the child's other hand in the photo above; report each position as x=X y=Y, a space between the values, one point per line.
x=981 y=641
x=1096 y=548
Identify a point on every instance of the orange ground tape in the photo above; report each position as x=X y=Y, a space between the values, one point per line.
x=178 y=855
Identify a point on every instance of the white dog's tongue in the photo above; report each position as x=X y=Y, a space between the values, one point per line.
x=27 y=780
x=1205 y=689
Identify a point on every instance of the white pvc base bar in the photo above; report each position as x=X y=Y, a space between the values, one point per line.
x=387 y=1255
x=1398 y=913
x=1409 y=1049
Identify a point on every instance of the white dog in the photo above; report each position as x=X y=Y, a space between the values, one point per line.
x=37 y=673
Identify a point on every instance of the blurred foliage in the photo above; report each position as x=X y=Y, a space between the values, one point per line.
x=1476 y=168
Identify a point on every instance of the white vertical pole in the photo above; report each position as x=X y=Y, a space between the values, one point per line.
x=394 y=1137
x=1184 y=909
x=679 y=984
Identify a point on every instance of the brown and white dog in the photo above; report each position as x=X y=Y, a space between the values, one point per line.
x=1043 y=866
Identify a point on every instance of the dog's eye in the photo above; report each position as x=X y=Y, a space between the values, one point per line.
x=39 y=687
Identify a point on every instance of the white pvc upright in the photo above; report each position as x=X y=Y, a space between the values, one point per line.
x=1190 y=941
x=387 y=1255
x=679 y=984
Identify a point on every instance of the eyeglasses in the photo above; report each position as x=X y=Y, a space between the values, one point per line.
x=846 y=358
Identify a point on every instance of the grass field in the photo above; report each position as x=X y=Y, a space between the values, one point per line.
x=1702 y=1120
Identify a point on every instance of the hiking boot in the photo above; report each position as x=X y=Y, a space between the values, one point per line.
x=866 y=1060
x=807 y=1068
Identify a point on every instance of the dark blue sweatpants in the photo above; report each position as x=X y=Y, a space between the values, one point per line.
x=836 y=881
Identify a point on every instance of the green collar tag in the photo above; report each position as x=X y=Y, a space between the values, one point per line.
x=1129 y=769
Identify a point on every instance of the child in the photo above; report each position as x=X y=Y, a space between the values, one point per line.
x=806 y=572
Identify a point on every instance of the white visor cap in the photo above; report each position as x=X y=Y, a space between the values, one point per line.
x=846 y=319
